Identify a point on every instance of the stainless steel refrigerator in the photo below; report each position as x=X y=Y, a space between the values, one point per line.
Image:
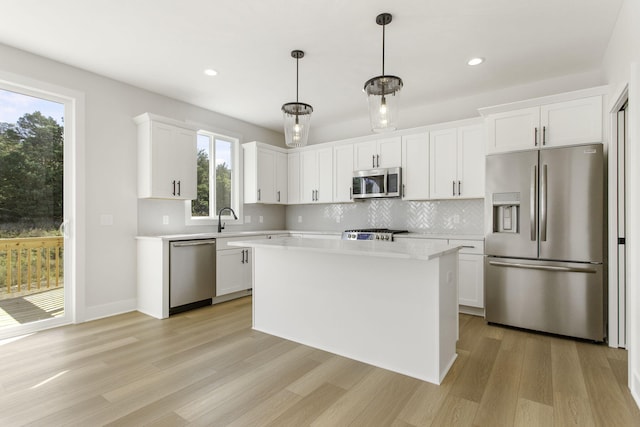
x=544 y=268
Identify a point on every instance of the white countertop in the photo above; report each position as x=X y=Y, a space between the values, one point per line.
x=439 y=236
x=214 y=235
x=406 y=249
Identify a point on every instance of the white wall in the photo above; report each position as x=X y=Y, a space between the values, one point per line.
x=621 y=67
x=110 y=164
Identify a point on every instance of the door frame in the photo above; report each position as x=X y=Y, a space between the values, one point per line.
x=74 y=207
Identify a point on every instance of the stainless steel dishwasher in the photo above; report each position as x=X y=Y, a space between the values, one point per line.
x=192 y=274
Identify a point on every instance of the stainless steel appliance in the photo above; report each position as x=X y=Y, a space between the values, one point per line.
x=192 y=274
x=371 y=234
x=375 y=183
x=544 y=268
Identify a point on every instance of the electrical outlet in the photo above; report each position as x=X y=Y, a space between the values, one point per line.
x=299 y=218
x=456 y=219
x=260 y=219
x=165 y=219
x=247 y=219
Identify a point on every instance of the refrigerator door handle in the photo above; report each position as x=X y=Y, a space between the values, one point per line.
x=543 y=204
x=533 y=199
x=544 y=267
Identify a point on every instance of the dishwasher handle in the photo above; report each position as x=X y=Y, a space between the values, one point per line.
x=193 y=243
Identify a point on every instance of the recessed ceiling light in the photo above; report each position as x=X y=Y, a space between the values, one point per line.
x=210 y=72
x=475 y=61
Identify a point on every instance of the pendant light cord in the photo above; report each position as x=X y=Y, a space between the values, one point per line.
x=297 y=61
x=383 y=27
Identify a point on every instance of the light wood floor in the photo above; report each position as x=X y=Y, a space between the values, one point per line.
x=208 y=368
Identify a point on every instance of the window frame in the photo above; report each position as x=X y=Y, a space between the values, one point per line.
x=236 y=184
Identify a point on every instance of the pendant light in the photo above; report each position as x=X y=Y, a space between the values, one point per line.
x=383 y=92
x=297 y=115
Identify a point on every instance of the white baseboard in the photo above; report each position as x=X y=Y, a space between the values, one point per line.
x=474 y=311
x=635 y=388
x=106 y=310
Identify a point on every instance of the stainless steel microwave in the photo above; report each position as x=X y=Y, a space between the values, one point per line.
x=372 y=183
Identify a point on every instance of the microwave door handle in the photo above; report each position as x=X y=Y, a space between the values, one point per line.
x=386 y=182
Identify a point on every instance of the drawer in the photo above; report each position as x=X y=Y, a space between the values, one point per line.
x=469 y=246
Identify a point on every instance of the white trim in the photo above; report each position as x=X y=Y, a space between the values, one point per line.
x=536 y=102
x=621 y=97
x=112 y=309
x=74 y=179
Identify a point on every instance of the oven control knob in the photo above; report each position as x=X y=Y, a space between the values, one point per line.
x=377 y=237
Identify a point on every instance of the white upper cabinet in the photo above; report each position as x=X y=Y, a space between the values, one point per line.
x=293 y=160
x=316 y=175
x=415 y=166
x=379 y=153
x=456 y=163
x=167 y=158
x=265 y=174
x=343 y=166
x=572 y=122
x=282 y=178
x=576 y=121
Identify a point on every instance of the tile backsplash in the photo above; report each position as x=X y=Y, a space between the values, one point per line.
x=434 y=217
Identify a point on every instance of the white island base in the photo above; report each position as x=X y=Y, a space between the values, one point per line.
x=389 y=306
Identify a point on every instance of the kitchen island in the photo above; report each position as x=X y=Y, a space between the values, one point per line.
x=389 y=304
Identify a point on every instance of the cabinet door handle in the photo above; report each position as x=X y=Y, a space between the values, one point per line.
x=259 y=194
x=544 y=135
x=350 y=193
x=242 y=257
x=535 y=137
x=404 y=190
x=377 y=160
x=179 y=188
x=246 y=260
x=278 y=195
x=453 y=191
x=317 y=195
x=174 y=187
x=459 y=186
x=373 y=161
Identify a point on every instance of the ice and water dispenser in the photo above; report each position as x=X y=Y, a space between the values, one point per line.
x=506 y=212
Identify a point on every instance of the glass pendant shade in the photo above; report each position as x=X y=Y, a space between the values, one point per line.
x=297 y=117
x=383 y=94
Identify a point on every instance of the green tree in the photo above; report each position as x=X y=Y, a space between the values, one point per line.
x=31 y=171
x=223 y=186
x=200 y=206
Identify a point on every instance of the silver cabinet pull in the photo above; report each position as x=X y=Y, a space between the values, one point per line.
x=174 y=188
x=453 y=191
x=459 y=185
x=533 y=197
x=377 y=160
x=373 y=161
x=179 y=188
x=278 y=195
x=404 y=190
x=246 y=260
x=242 y=262
x=544 y=135
x=543 y=204
x=543 y=267
x=535 y=137
x=350 y=193
x=259 y=194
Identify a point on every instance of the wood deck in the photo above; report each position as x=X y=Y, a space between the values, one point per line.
x=30 y=308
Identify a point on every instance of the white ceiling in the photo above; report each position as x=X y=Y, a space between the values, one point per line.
x=164 y=46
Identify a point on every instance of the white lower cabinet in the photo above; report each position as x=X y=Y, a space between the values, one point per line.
x=470 y=274
x=234 y=270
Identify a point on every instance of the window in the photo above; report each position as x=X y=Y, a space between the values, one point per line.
x=218 y=180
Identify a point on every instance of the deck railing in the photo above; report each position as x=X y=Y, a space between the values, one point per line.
x=29 y=265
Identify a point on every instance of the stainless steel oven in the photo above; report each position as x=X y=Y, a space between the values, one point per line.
x=374 y=183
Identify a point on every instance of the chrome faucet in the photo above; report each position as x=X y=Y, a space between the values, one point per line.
x=220 y=224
